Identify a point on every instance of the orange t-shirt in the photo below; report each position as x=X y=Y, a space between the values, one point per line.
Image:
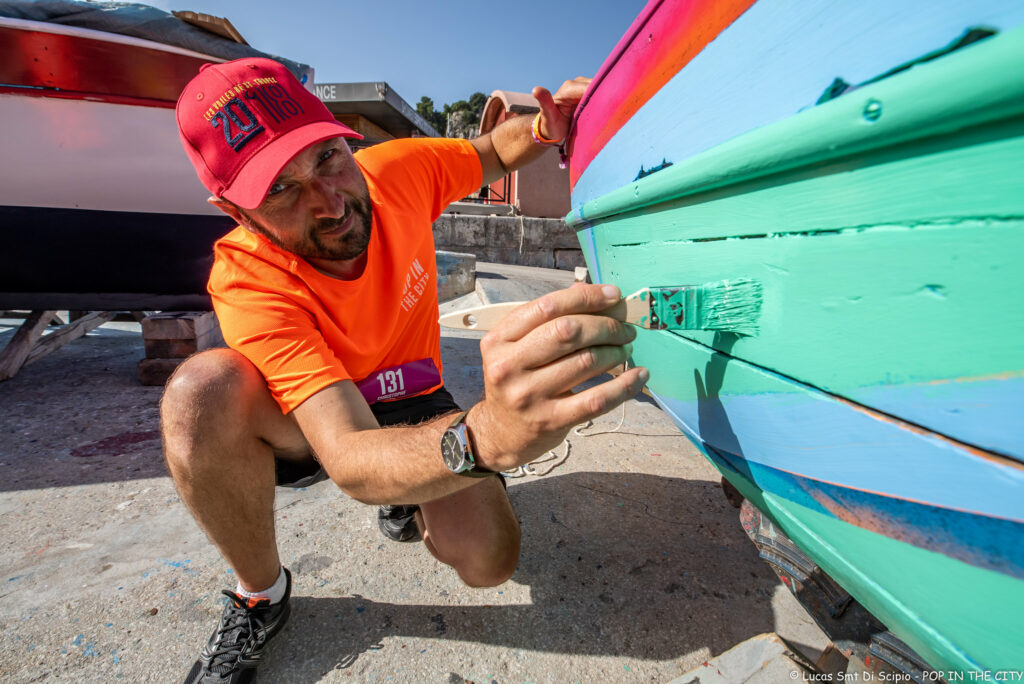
x=305 y=330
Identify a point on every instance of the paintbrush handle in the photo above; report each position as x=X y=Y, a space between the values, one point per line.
x=485 y=317
x=481 y=318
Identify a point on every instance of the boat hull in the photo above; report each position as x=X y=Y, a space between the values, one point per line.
x=875 y=415
x=99 y=206
x=100 y=209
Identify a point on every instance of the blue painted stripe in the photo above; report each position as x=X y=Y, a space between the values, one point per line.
x=985 y=413
x=771 y=63
x=806 y=432
x=588 y=244
x=988 y=543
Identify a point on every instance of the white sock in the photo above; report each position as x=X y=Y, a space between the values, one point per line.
x=275 y=592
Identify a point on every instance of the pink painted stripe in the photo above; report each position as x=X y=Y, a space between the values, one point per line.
x=619 y=49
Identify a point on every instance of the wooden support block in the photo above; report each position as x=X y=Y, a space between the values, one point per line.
x=180 y=348
x=170 y=337
x=155 y=372
x=178 y=325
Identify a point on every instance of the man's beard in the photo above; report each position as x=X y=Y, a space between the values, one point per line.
x=312 y=244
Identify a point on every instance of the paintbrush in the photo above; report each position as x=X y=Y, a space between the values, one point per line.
x=726 y=305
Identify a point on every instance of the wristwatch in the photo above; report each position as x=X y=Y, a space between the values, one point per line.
x=457 y=452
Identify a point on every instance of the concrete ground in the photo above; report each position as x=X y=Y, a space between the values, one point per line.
x=634 y=567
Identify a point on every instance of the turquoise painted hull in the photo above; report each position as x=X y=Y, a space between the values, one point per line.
x=876 y=416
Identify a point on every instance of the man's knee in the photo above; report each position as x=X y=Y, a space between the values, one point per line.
x=480 y=561
x=207 y=394
x=493 y=568
x=208 y=377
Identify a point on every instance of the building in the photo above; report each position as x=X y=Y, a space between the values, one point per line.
x=373 y=110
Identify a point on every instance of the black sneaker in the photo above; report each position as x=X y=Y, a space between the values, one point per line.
x=398 y=523
x=236 y=647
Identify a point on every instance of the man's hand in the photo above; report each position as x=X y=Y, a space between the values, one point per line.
x=556 y=110
x=531 y=362
x=510 y=145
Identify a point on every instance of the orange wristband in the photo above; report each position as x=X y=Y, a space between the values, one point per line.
x=538 y=138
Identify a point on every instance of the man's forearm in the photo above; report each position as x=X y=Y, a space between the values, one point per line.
x=507 y=148
x=513 y=143
x=393 y=465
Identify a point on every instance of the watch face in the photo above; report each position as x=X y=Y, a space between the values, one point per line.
x=451 y=451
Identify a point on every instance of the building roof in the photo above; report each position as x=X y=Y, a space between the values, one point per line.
x=379 y=103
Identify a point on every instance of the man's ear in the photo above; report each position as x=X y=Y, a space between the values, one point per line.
x=228 y=208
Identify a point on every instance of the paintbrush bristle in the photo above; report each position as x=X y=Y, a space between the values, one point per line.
x=725 y=305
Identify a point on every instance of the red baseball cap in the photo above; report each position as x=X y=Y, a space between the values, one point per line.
x=241 y=122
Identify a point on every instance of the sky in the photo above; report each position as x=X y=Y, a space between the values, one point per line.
x=446 y=50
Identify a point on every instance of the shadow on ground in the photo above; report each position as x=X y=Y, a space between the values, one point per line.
x=649 y=561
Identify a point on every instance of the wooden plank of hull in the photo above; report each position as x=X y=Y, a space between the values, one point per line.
x=958 y=617
x=867 y=497
x=904 y=339
x=971 y=88
x=883 y=270
x=769 y=64
x=796 y=428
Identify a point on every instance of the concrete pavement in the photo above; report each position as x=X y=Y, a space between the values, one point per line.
x=634 y=567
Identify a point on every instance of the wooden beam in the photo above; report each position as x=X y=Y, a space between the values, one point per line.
x=14 y=355
x=216 y=25
x=72 y=331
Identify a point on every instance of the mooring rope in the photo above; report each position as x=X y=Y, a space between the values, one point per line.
x=555 y=460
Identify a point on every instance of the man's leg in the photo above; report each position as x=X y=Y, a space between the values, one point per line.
x=222 y=430
x=475 y=531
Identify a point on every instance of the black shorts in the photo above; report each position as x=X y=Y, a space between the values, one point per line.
x=388 y=413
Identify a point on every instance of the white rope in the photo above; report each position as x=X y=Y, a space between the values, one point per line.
x=531 y=468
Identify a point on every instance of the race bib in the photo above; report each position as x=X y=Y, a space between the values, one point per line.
x=400 y=381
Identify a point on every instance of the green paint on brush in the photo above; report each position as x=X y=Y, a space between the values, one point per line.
x=731 y=305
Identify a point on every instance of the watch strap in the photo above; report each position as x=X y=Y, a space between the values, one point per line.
x=459 y=417
x=475 y=470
